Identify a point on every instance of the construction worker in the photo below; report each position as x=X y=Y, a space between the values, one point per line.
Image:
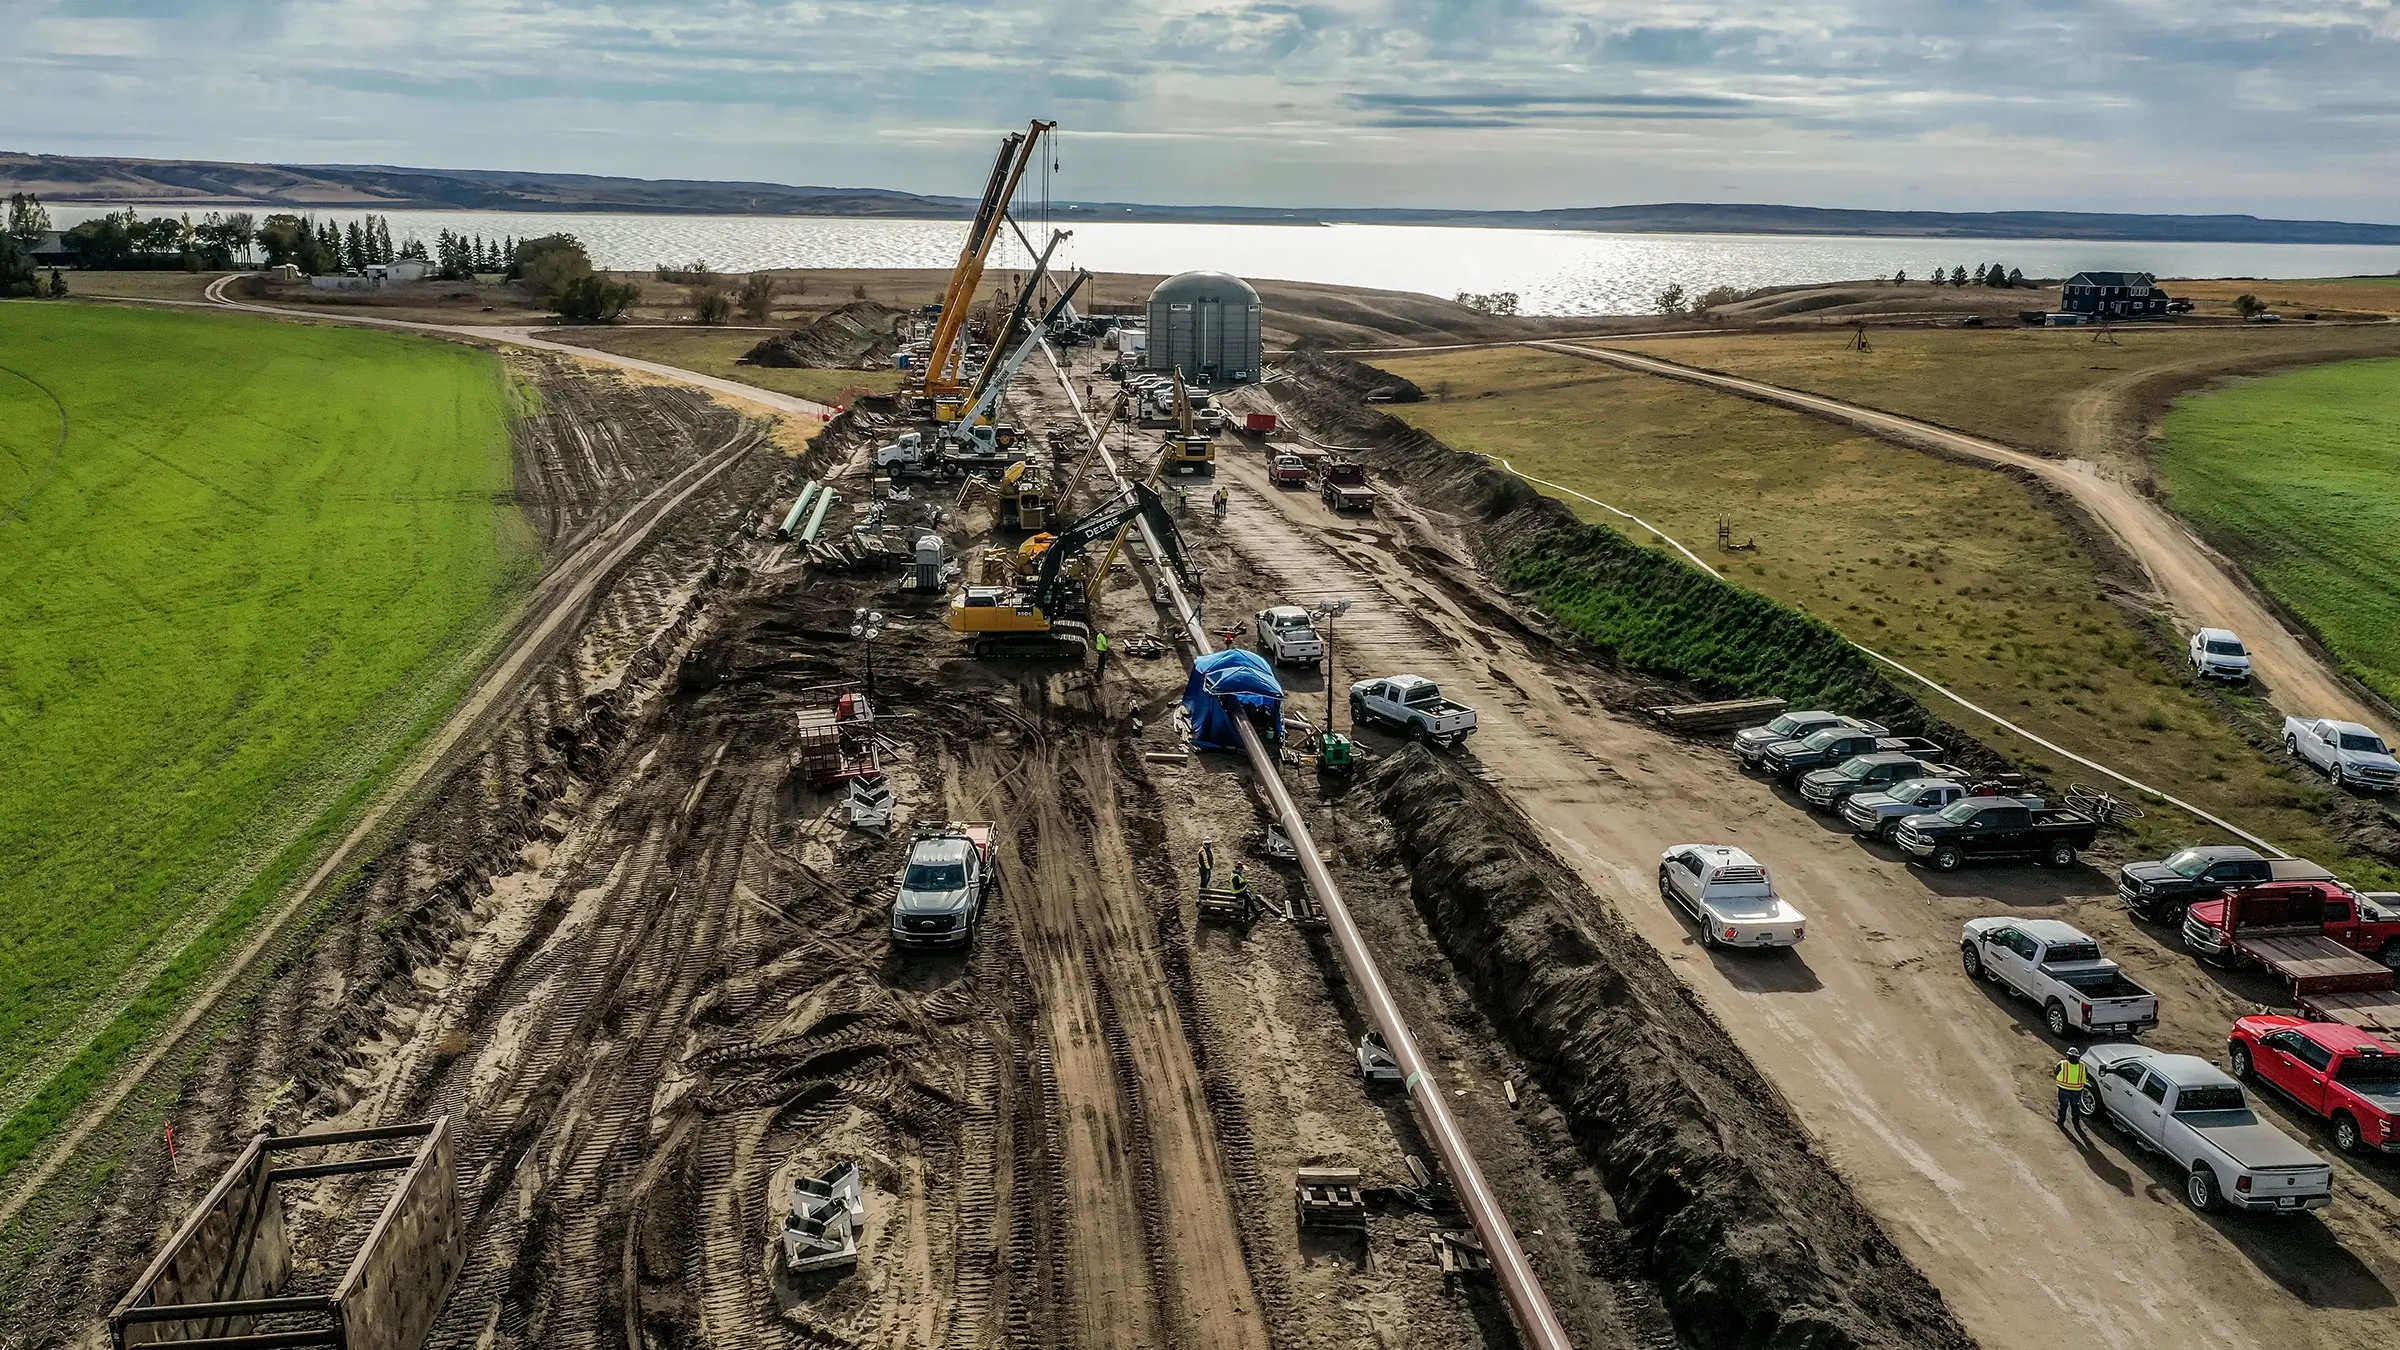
x=1100 y=645
x=1243 y=895
x=1208 y=862
x=2073 y=1081
x=1218 y=502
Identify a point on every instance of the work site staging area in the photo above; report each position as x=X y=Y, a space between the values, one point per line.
x=641 y=954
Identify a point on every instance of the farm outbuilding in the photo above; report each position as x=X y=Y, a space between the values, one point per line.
x=1205 y=324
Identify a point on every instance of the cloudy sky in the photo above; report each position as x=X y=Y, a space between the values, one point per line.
x=2276 y=107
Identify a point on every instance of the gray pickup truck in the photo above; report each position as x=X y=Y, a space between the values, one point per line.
x=941 y=891
x=1827 y=789
x=2198 y=1117
x=1752 y=743
x=1874 y=815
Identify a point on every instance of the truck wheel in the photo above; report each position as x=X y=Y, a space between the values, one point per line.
x=2061 y=854
x=2055 y=1015
x=1358 y=710
x=2334 y=776
x=1947 y=858
x=2238 y=1055
x=2390 y=955
x=2200 y=1190
x=2346 y=1136
x=2087 y=1104
x=1971 y=960
x=2291 y=746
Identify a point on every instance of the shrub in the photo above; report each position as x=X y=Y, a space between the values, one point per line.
x=593 y=299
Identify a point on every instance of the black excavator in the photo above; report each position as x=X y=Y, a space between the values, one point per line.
x=1049 y=617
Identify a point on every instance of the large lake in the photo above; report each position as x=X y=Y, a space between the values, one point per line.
x=1552 y=271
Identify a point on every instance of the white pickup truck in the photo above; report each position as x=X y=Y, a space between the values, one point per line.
x=1412 y=703
x=1729 y=894
x=1287 y=634
x=2186 y=1108
x=2055 y=966
x=2350 y=754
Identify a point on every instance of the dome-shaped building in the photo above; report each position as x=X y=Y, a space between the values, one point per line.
x=1205 y=324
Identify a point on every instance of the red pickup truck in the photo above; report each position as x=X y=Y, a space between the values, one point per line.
x=2319 y=936
x=2335 y=1073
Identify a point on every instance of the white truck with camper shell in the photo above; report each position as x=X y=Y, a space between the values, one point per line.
x=1412 y=703
x=1729 y=895
x=2054 y=966
x=2198 y=1117
x=2350 y=755
x=1287 y=636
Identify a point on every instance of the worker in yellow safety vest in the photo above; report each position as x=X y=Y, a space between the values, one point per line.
x=2073 y=1081
x=1247 y=898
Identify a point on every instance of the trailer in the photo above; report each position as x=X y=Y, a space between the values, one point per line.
x=1261 y=423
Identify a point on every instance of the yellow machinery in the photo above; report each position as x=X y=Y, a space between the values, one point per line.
x=1187 y=450
x=1024 y=497
x=1049 y=617
x=944 y=385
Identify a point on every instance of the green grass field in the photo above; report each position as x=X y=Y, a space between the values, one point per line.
x=240 y=587
x=2298 y=475
x=1958 y=571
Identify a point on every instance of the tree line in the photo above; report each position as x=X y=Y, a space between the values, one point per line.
x=1997 y=275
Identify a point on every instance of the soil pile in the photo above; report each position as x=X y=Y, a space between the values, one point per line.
x=1748 y=1232
x=861 y=335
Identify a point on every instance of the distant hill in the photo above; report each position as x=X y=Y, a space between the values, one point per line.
x=200 y=184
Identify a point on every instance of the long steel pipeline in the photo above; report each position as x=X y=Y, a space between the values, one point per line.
x=1535 y=1318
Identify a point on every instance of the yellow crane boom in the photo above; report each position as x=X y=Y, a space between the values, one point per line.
x=947 y=352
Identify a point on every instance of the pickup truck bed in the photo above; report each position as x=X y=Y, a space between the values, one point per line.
x=2312 y=963
x=2374 y=1010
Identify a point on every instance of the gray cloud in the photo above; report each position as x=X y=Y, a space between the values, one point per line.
x=2103 y=104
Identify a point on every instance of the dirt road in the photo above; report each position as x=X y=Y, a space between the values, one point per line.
x=524 y=337
x=2192 y=580
x=1927 y=1094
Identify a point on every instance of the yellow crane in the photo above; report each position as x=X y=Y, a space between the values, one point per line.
x=945 y=357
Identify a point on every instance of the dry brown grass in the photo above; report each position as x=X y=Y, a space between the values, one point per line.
x=1960 y=571
x=2054 y=391
x=717 y=351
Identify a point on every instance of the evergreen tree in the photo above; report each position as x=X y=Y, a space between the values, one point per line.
x=2015 y=277
x=1980 y=269
x=1958 y=276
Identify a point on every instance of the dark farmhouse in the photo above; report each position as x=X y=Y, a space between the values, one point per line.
x=2114 y=295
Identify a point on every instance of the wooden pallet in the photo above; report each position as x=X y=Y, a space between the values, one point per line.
x=1329 y=1197
x=1739 y=712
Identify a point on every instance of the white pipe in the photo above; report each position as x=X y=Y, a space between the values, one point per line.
x=1535 y=1318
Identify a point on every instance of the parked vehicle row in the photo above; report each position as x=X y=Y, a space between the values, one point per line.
x=1896 y=789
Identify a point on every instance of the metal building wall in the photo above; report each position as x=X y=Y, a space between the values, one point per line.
x=1208 y=326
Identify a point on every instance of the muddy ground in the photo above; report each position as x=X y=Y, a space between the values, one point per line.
x=644 y=969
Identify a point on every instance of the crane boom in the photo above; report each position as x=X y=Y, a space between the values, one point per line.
x=1017 y=150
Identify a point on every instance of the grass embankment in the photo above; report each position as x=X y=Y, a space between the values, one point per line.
x=715 y=351
x=1957 y=571
x=241 y=592
x=2050 y=390
x=2298 y=475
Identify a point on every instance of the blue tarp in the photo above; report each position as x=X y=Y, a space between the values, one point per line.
x=1236 y=676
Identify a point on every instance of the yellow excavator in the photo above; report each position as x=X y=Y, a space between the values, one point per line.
x=944 y=384
x=1187 y=450
x=1049 y=618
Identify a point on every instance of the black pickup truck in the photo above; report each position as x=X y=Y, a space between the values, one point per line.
x=1977 y=828
x=2161 y=890
x=1788 y=760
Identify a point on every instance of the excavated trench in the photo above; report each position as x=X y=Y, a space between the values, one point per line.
x=1750 y=1236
